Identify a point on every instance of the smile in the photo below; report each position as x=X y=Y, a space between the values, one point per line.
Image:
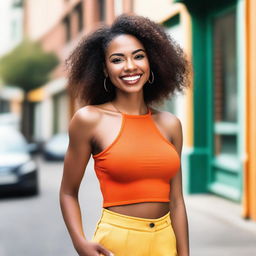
x=131 y=79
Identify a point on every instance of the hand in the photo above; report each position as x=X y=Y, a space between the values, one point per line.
x=89 y=248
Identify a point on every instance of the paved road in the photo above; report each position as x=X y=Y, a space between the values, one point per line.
x=33 y=226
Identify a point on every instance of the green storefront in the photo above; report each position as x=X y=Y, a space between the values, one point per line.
x=215 y=162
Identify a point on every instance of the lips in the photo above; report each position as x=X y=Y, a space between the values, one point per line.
x=131 y=79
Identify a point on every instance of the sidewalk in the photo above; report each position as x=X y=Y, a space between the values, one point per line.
x=217 y=229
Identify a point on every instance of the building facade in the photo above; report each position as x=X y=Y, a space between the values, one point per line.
x=216 y=113
x=219 y=150
x=58 y=26
x=11 y=31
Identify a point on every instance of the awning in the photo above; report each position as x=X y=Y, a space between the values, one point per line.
x=51 y=88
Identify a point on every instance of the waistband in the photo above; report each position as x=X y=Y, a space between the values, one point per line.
x=135 y=223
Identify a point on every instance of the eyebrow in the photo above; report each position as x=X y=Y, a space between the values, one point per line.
x=121 y=54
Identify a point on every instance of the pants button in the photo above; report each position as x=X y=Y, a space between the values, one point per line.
x=152 y=224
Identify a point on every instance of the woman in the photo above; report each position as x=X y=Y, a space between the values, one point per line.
x=120 y=72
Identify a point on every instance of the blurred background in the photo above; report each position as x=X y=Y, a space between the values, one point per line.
x=217 y=114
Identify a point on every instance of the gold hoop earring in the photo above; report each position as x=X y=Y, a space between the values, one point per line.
x=153 y=78
x=104 y=84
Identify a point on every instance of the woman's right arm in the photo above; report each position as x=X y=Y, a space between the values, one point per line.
x=76 y=159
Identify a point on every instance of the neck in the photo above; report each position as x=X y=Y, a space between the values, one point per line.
x=132 y=105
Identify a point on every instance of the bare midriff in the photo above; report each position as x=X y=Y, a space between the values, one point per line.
x=147 y=210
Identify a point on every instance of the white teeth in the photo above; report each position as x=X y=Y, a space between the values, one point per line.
x=131 y=78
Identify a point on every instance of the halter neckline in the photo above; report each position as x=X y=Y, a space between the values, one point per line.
x=133 y=116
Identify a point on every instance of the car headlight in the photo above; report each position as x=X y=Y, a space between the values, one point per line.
x=27 y=167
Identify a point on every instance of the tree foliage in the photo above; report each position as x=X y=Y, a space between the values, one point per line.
x=27 y=66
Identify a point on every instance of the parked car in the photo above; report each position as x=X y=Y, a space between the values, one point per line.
x=56 y=147
x=18 y=172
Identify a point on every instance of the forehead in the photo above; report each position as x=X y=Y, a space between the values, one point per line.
x=123 y=44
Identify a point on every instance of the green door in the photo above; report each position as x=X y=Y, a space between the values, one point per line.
x=225 y=165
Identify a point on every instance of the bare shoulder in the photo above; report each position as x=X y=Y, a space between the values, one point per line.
x=85 y=119
x=87 y=115
x=167 y=119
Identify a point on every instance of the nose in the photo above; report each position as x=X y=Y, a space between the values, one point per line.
x=130 y=65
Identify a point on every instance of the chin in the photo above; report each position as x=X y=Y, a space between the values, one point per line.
x=131 y=89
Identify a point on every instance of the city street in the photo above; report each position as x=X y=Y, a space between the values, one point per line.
x=193 y=59
x=33 y=226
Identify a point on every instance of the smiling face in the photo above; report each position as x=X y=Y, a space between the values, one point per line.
x=127 y=64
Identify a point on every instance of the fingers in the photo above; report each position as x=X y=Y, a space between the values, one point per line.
x=104 y=251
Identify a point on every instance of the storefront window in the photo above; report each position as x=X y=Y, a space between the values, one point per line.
x=225 y=83
x=225 y=69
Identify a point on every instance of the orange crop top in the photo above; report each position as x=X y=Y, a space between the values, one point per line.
x=138 y=165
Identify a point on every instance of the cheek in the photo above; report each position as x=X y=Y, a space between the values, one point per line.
x=113 y=70
x=146 y=66
x=113 y=73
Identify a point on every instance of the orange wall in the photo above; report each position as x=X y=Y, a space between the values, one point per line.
x=249 y=204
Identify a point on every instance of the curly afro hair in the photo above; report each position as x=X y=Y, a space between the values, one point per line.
x=166 y=59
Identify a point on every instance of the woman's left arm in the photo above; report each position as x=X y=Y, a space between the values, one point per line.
x=177 y=204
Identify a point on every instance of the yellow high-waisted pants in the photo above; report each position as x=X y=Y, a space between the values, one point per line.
x=125 y=235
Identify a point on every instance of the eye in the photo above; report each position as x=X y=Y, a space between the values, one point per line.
x=139 y=56
x=116 y=60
